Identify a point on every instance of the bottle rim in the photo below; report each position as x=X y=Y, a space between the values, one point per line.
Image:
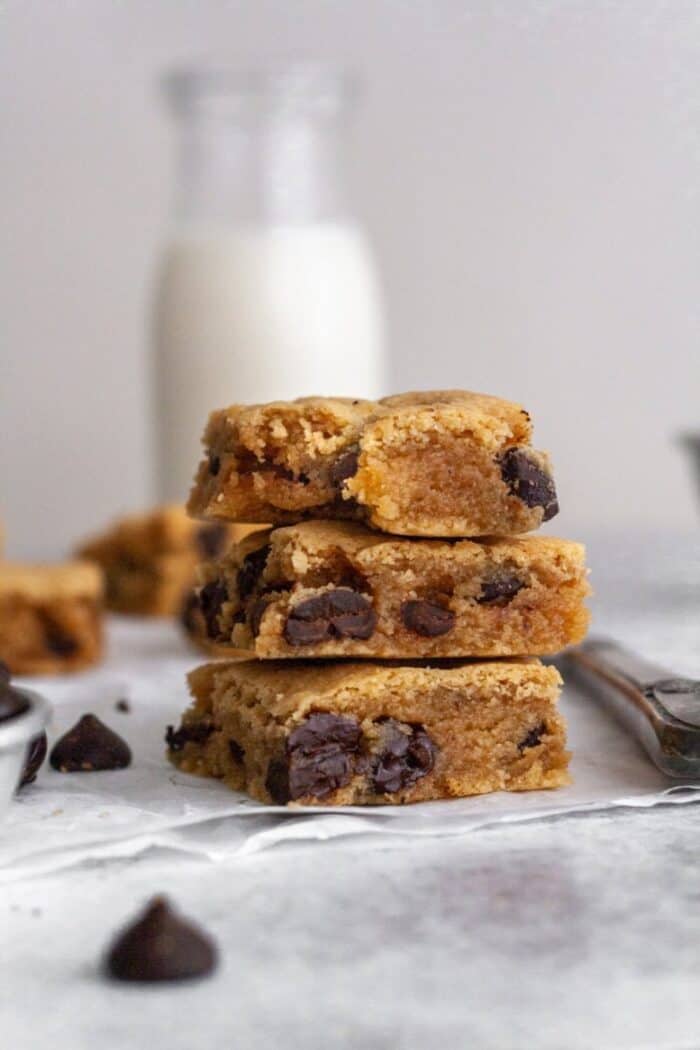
x=228 y=90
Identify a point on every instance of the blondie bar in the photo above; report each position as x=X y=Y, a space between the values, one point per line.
x=372 y=733
x=446 y=463
x=149 y=560
x=325 y=588
x=50 y=617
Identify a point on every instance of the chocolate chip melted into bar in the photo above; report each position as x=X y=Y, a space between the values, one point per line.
x=407 y=753
x=533 y=738
x=196 y=733
x=500 y=588
x=320 y=756
x=211 y=600
x=528 y=481
x=429 y=619
x=338 y=613
x=344 y=467
x=326 y=751
x=211 y=540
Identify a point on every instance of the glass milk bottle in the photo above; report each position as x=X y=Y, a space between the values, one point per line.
x=267 y=288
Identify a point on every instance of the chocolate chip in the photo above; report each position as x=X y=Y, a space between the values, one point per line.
x=189 y=612
x=256 y=611
x=500 y=588
x=124 y=706
x=211 y=600
x=89 y=746
x=236 y=751
x=426 y=618
x=195 y=733
x=321 y=755
x=528 y=481
x=161 y=946
x=214 y=464
x=406 y=755
x=248 y=463
x=211 y=540
x=533 y=737
x=277 y=781
x=252 y=568
x=340 y=613
x=33 y=760
x=57 y=641
x=344 y=467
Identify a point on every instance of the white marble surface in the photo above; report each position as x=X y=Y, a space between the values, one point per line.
x=567 y=933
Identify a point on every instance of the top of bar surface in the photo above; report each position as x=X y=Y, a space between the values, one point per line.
x=437 y=463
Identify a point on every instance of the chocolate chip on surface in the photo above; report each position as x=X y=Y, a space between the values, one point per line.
x=339 y=613
x=214 y=464
x=344 y=467
x=321 y=755
x=161 y=946
x=123 y=705
x=252 y=568
x=88 y=747
x=429 y=619
x=34 y=758
x=212 y=598
x=528 y=481
x=406 y=754
x=533 y=738
x=196 y=733
x=500 y=588
x=211 y=540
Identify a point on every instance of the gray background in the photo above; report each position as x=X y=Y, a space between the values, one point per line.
x=528 y=173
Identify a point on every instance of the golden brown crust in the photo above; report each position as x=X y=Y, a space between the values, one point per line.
x=425 y=464
x=50 y=617
x=485 y=727
x=500 y=597
x=149 y=560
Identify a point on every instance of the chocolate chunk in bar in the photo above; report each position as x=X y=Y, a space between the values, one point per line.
x=90 y=746
x=340 y=613
x=429 y=619
x=211 y=600
x=161 y=946
x=533 y=738
x=211 y=540
x=321 y=755
x=251 y=570
x=344 y=467
x=500 y=588
x=528 y=481
x=196 y=733
x=406 y=754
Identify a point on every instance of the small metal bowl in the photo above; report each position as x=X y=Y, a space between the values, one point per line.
x=15 y=736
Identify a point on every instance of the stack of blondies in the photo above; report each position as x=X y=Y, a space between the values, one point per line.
x=385 y=625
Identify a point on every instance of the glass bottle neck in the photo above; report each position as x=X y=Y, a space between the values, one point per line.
x=249 y=160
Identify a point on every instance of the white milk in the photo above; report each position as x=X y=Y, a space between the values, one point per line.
x=256 y=316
